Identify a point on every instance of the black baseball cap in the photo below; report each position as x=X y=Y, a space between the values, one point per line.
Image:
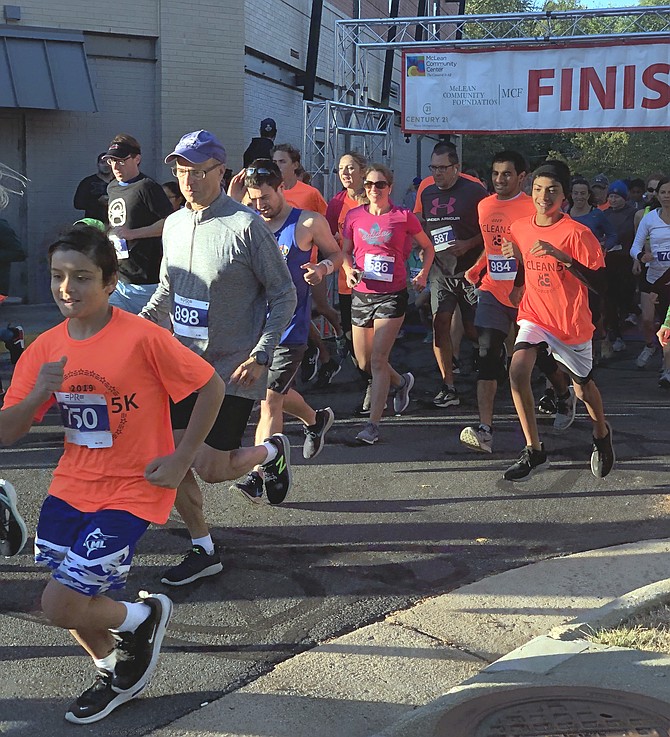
x=268 y=126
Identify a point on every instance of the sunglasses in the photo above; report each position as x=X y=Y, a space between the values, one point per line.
x=263 y=171
x=377 y=185
x=650 y=189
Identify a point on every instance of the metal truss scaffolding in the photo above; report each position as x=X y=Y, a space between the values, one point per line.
x=350 y=122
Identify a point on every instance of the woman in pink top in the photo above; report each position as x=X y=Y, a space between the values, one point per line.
x=377 y=240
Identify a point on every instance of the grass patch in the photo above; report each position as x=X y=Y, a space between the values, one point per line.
x=647 y=631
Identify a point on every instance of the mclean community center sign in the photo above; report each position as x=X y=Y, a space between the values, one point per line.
x=576 y=87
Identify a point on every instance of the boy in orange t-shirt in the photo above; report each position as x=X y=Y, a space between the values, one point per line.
x=111 y=374
x=558 y=260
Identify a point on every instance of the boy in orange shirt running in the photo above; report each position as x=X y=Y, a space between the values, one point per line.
x=111 y=375
x=558 y=260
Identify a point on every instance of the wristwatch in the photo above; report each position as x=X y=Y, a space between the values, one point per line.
x=261 y=358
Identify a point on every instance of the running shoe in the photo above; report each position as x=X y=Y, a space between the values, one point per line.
x=547 y=402
x=278 y=476
x=369 y=434
x=137 y=652
x=428 y=339
x=477 y=438
x=16 y=344
x=326 y=373
x=310 y=364
x=527 y=463
x=618 y=346
x=251 y=487
x=342 y=343
x=606 y=350
x=13 y=531
x=664 y=381
x=401 y=397
x=97 y=701
x=364 y=408
x=455 y=365
x=315 y=435
x=566 y=409
x=631 y=320
x=446 y=397
x=197 y=564
x=645 y=356
x=602 y=455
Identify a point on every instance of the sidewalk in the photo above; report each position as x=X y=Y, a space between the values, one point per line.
x=404 y=676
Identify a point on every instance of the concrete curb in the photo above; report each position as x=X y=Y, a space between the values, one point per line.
x=613 y=614
x=560 y=644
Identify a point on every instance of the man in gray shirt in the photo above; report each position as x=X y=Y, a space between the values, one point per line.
x=230 y=295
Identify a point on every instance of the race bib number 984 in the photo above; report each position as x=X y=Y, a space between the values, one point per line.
x=502 y=268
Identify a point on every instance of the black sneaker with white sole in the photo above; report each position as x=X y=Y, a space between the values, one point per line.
x=602 y=455
x=251 y=487
x=13 y=531
x=278 y=476
x=97 y=702
x=137 y=652
x=197 y=564
x=310 y=364
x=326 y=373
x=446 y=397
x=526 y=464
x=315 y=435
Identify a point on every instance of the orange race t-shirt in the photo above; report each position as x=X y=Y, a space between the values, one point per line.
x=431 y=180
x=305 y=197
x=339 y=206
x=555 y=299
x=495 y=219
x=114 y=405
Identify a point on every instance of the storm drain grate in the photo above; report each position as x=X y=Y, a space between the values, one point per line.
x=557 y=712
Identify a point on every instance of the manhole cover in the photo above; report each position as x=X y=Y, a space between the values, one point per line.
x=557 y=712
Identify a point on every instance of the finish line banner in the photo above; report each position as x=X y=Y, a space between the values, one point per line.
x=587 y=87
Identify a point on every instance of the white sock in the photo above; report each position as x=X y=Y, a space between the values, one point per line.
x=107 y=663
x=204 y=542
x=272 y=451
x=136 y=613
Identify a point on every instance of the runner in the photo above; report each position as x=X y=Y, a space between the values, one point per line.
x=655 y=286
x=119 y=469
x=137 y=210
x=449 y=212
x=494 y=275
x=554 y=314
x=377 y=240
x=297 y=232
x=231 y=297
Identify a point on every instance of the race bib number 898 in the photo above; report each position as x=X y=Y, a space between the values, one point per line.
x=190 y=317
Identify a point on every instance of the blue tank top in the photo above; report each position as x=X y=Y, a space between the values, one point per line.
x=298 y=329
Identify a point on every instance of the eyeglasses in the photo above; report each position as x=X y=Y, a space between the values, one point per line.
x=117 y=162
x=441 y=169
x=262 y=170
x=377 y=185
x=195 y=173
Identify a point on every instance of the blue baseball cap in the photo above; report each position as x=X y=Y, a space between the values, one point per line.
x=197 y=147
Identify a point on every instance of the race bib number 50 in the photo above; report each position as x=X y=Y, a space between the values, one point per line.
x=85 y=419
x=190 y=317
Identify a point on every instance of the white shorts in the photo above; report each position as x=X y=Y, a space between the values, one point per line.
x=577 y=359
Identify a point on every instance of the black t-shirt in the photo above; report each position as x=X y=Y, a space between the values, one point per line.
x=137 y=204
x=451 y=214
x=259 y=148
x=87 y=197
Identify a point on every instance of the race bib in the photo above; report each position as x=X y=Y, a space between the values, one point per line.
x=190 y=317
x=443 y=238
x=663 y=256
x=502 y=268
x=85 y=419
x=413 y=273
x=120 y=246
x=378 y=268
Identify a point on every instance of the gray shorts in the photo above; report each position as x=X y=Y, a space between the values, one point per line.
x=446 y=292
x=493 y=314
x=285 y=365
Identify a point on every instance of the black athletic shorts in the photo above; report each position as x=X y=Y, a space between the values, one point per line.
x=285 y=364
x=366 y=307
x=230 y=423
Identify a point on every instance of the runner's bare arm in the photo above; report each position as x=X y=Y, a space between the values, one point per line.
x=428 y=253
x=16 y=421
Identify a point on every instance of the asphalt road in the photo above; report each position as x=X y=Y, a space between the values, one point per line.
x=365 y=531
